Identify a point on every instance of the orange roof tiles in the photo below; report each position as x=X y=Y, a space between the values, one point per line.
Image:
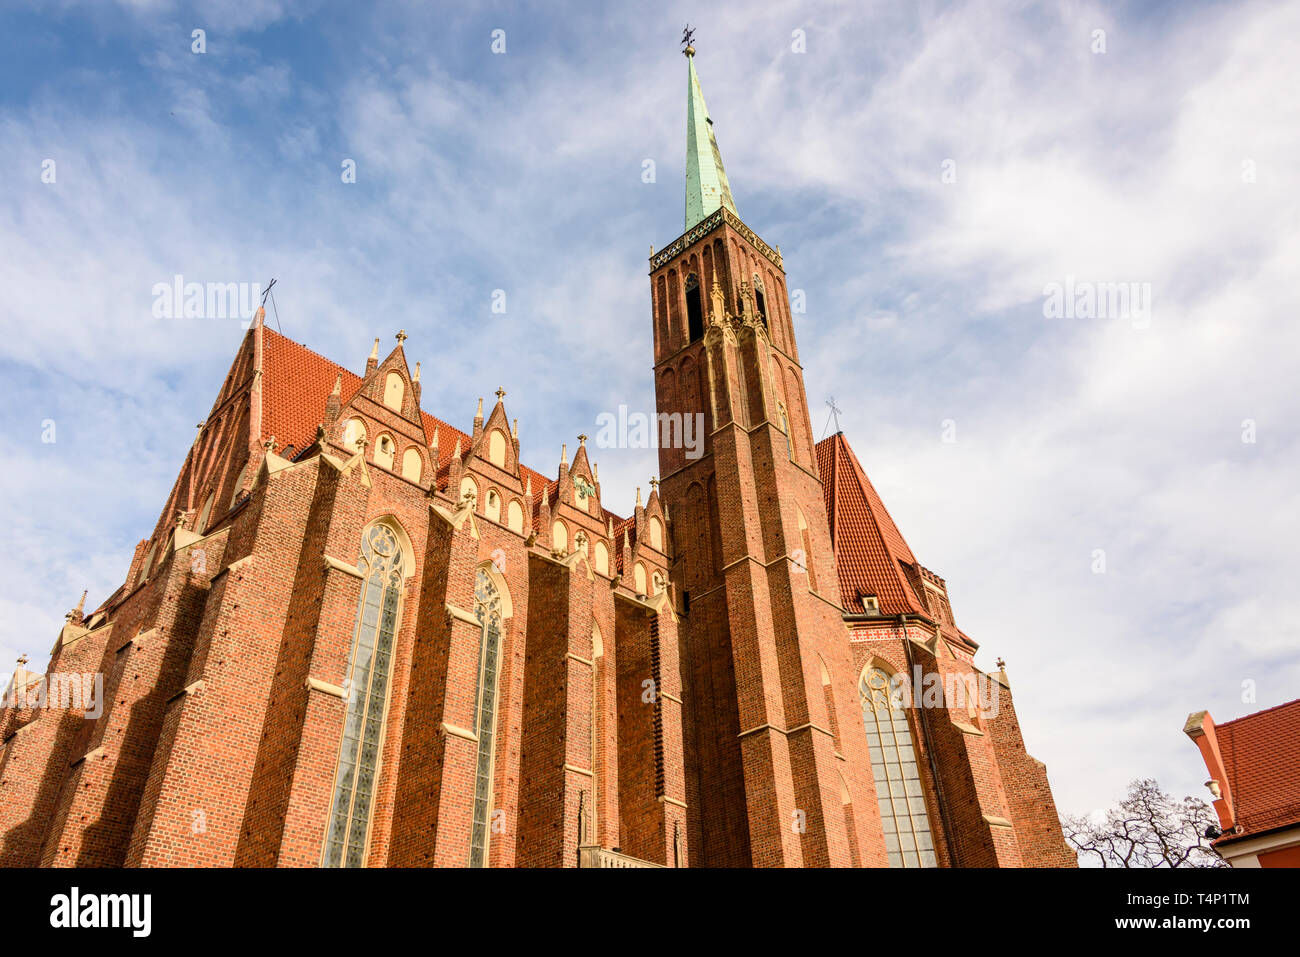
x=296 y=384
x=869 y=548
x=1261 y=755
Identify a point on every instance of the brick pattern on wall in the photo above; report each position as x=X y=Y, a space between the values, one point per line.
x=716 y=721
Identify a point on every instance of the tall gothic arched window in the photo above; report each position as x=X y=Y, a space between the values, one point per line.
x=381 y=566
x=898 y=778
x=760 y=299
x=487 y=608
x=694 y=309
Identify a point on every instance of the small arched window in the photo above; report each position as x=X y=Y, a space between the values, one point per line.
x=385 y=451
x=602 y=558
x=694 y=309
x=559 y=536
x=760 y=299
x=898 y=777
x=468 y=490
x=412 y=464
x=357 y=775
x=638 y=578
x=656 y=584
x=394 y=389
x=785 y=427
x=656 y=533
x=354 y=431
x=497 y=448
x=515 y=516
x=492 y=507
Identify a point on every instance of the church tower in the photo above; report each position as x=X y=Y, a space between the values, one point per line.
x=779 y=773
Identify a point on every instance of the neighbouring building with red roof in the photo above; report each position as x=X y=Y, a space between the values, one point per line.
x=358 y=636
x=1254 y=766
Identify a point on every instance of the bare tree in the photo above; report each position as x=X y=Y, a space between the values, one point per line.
x=1147 y=829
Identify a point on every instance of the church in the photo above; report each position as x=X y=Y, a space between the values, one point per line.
x=359 y=636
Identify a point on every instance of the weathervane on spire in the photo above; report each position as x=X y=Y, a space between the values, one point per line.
x=688 y=36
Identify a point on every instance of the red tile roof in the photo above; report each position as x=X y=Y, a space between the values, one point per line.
x=869 y=548
x=1261 y=755
x=296 y=384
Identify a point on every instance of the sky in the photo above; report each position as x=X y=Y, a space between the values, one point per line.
x=1113 y=500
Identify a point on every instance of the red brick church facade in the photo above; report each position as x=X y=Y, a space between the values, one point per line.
x=358 y=636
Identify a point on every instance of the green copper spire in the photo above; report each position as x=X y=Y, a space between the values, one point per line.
x=706 y=180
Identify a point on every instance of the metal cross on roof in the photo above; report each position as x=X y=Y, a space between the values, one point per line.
x=835 y=412
x=688 y=36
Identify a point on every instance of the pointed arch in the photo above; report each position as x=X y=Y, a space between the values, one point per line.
x=661 y=310
x=760 y=299
x=899 y=791
x=694 y=309
x=491 y=607
x=354 y=431
x=394 y=391
x=656 y=533
x=675 y=336
x=385 y=561
x=515 y=516
x=412 y=464
x=469 y=488
x=497 y=448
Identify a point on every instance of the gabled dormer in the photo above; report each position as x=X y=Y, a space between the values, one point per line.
x=580 y=484
x=493 y=441
x=490 y=471
x=382 y=417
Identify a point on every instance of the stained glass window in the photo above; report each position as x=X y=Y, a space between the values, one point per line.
x=367 y=698
x=487 y=608
x=898 y=778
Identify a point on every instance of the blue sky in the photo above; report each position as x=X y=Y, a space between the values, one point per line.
x=522 y=171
